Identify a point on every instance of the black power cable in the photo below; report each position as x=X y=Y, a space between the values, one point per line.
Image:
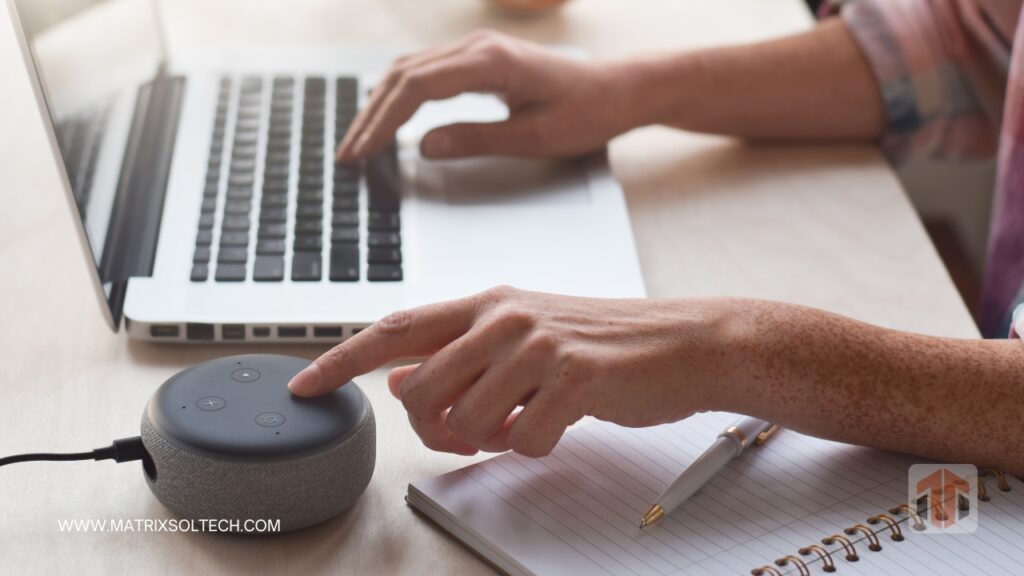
x=123 y=450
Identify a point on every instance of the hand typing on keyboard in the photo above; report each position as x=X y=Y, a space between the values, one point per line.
x=558 y=106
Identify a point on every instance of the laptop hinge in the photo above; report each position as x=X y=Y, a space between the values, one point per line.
x=130 y=246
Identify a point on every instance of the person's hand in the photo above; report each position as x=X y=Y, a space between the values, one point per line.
x=633 y=362
x=558 y=106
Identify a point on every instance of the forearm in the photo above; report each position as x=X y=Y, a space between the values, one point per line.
x=813 y=85
x=829 y=376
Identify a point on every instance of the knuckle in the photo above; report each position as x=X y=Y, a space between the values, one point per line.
x=574 y=368
x=414 y=82
x=541 y=342
x=499 y=294
x=337 y=356
x=511 y=319
x=396 y=323
x=528 y=442
x=461 y=426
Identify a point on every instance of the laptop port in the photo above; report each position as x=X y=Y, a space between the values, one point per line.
x=196 y=331
x=164 y=331
x=261 y=331
x=327 y=331
x=291 y=331
x=233 y=332
x=356 y=331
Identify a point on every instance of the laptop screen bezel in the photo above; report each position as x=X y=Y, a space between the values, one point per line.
x=36 y=79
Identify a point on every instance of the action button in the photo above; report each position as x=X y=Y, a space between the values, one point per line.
x=245 y=375
x=211 y=403
x=270 y=419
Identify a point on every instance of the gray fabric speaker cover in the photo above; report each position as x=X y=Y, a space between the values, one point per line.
x=299 y=490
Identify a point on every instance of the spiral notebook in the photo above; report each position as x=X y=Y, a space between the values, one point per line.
x=780 y=508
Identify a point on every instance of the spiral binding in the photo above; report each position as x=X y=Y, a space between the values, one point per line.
x=871 y=529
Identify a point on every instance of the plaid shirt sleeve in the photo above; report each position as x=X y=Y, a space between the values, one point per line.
x=936 y=99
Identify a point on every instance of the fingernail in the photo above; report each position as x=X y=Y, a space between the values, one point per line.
x=306 y=380
x=436 y=144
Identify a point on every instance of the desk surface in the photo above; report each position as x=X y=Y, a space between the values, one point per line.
x=822 y=226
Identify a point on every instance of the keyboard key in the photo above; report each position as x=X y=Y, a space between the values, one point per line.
x=345 y=204
x=245 y=180
x=201 y=255
x=275 y=185
x=308 y=226
x=270 y=246
x=309 y=211
x=237 y=193
x=237 y=206
x=206 y=221
x=345 y=219
x=232 y=254
x=268 y=269
x=275 y=215
x=383 y=240
x=275 y=230
x=384 y=273
x=307 y=244
x=243 y=165
x=383 y=221
x=209 y=205
x=200 y=272
x=345 y=236
x=344 y=263
x=274 y=200
x=230 y=272
x=238 y=223
x=383 y=180
x=346 y=188
x=311 y=197
x=234 y=239
x=306 y=266
x=204 y=238
x=273 y=171
x=384 y=256
x=311 y=182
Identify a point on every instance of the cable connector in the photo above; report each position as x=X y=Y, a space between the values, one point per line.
x=123 y=450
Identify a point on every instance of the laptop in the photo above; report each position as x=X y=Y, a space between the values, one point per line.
x=209 y=205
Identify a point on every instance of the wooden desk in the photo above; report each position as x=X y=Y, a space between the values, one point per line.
x=824 y=226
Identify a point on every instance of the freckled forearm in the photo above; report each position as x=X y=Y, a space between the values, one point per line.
x=813 y=85
x=830 y=376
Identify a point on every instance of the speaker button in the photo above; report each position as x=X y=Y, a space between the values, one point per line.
x=245 y=375
x=270 y=419
x=211 y=403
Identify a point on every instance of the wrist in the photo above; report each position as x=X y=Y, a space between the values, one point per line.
x=732 y=333
x=649 y=88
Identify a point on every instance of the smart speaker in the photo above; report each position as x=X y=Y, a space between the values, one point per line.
x=228 y=441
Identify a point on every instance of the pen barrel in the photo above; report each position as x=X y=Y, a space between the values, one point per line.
x=698 y=473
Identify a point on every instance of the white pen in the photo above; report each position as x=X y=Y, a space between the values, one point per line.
x=727 y=446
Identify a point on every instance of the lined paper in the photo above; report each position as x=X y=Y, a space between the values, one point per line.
x=579 y=508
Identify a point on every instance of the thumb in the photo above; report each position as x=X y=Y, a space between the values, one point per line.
x=515 y=137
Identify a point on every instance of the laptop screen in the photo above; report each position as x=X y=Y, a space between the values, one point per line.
x=89 y=58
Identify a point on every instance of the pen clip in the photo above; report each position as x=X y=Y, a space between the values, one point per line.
x=764 y=436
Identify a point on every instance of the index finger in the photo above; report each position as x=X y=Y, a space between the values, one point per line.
x=406 y=333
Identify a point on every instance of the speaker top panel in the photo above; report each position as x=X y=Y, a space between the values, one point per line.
x=240 y=406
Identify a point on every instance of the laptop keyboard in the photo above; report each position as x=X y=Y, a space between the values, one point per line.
x=275 y=205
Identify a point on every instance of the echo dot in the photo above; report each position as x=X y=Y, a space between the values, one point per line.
x=227 y=440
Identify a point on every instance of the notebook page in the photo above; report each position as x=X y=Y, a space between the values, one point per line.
x=578 y=508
